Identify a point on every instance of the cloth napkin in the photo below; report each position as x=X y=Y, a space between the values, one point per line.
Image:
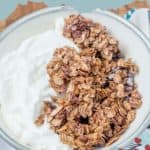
x=141 y=19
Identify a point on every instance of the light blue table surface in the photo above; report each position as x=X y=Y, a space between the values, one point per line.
x=7 y=6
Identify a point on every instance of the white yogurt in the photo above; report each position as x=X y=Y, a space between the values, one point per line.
x=24 y=85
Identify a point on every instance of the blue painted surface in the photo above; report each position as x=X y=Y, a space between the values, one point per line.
x=7 y=6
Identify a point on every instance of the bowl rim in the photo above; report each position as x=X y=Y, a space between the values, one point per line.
x=44 y=11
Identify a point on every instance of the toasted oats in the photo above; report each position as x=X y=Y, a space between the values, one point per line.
x=40 y=120
x=99 y=97
x=131 y=116
x=47 y=109
x=117 y=78
x=120 y=90
x=67 y=139
x=127 y=105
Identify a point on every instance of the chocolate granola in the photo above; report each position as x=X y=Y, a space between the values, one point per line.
x=99 y=97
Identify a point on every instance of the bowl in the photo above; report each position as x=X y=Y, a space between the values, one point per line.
x=132 y=42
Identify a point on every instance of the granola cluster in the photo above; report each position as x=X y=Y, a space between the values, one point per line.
x=98 y=97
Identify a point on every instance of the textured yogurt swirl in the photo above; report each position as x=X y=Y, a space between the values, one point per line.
x=24 y=85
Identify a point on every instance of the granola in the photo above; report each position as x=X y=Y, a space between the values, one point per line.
x=99 y=96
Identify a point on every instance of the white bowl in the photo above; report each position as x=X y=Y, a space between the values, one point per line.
x=133 y=44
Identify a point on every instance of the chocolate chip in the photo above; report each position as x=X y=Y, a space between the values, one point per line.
x=126 y=98
x=117 y=56
x=105 y=85
x=128 y=88
x=112 y=125
x=84 y=120
x=98 y=55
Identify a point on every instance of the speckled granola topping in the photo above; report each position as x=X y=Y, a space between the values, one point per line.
x=98 y=97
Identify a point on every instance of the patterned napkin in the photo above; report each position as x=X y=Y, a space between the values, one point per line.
x=140 y=18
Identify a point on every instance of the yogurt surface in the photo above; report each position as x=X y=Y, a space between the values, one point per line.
x=24 y=85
